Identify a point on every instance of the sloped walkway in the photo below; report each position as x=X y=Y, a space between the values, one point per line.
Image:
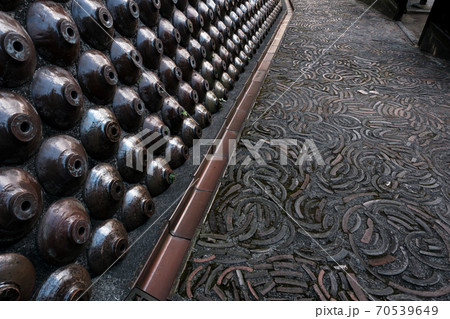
x=372 y=222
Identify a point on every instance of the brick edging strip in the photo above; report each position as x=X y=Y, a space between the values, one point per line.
x=161 y=269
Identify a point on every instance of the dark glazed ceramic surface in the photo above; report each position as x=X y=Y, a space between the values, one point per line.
x=53 y=32
x=128 y=108
x=137 y=207
x=100 y=132
x=153 y=124
x=159 y=176
x=151 y=91
x=57 y=97
x=20 y=204
x=63 y=231
x=69 y=283
x=212 y=103
x=195 y=18
x=190 y=131
x=187 y=97
x=183 y=25
x=61 y=165
x=131 y=158
x=20 y=128
x=186 y=62
x=207 y=42
x=202 y=116
x=127 y=60
x=220 y=91
x=169 y=36
x=109 y=243
x=17 y=277
x=17 y=53
x=149 y=10
x=97 y=77
x=173 y=114
x=125 y=14
x=208 y=72
x=94 y=22
x=103 y=191
x=150 y=47
x=197 y=51
x=170 y=74
x=206 y=13
x=199 y=84
x=167 y=7
x=176 y=151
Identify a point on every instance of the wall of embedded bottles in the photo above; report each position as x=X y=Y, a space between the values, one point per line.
x=89 y=76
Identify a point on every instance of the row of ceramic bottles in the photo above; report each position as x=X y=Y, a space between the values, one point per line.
x=62 y=163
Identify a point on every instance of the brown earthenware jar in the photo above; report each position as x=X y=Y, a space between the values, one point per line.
x=63 y=231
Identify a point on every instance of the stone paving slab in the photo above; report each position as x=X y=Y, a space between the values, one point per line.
x=370 y=222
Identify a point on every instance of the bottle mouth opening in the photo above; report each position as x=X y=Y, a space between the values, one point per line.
x=76 y=165
x=148 y=207
x=198 y=132
x=156 y=4
x=177 y=35
x=206 y=85
x=178 y=73
x=105 y=18
x=134 y=9
x=116 y=189
x=73 y=95
x=203 y=51
x=112 y=131
x=160 y=89
x=110 y=75
x=80 y=231
x=139 y=107
x=170 y=177
x=16 y=47
x=76 y=293
x=9 y=292
x=23 y=127
x=165 y=131
x=190 y=26
x=120 y=247
x=137 y=58
x=69 y=32
x=192 y=62
x=201 y=21
x=159 y=46
x=25 y=206
x=185 y=152
x=194 y=96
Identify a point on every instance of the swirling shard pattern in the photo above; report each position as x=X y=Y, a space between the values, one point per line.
x=373 y=223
